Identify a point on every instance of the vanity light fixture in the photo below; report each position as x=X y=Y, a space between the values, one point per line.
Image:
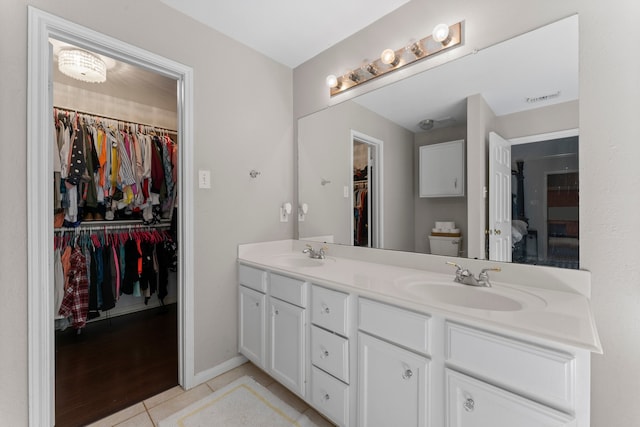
x=441 y=34
x=82 y=65
x=388 y=57
x=442 y=38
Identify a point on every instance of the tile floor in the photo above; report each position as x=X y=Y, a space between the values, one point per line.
x=149 y=412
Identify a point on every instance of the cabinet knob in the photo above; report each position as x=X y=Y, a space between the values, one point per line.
x=324 y=353
x=325 y=309
x=326 y=397
x=407 y=374
x=277 y=312
x=497 y=232
x=469 y=405
x=257 y=304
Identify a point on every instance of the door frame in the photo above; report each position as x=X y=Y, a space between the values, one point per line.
x=41 y=338
x=377 y=196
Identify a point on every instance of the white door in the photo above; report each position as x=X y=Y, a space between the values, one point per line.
x=252 y=320
x=392 y=385
x=499 y=198
x=473 y=403
x=287 y=344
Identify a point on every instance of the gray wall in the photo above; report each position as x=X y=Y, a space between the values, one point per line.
x=432 y=209
x=238 y=127
x=324 y=153
x=609 y=179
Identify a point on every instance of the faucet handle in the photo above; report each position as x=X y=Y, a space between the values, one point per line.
x=484 y=270
x=483 y=277
x=453 y=264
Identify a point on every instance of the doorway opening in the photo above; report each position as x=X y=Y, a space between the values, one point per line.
x=42 y=28
x=366 y=197
x=540 y=200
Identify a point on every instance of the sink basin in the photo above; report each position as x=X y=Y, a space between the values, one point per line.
x=479 y=298
x=295 y=260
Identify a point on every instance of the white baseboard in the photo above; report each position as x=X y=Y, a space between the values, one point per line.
x=209 y=374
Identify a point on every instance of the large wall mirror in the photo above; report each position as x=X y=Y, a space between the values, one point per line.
x=514 y=198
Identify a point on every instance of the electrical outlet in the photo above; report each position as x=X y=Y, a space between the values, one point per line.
x=283 y=215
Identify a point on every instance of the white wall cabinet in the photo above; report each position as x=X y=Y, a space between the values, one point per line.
x=442 y=169
x=392 y=385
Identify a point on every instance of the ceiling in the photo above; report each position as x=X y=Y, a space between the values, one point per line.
x=288 y=31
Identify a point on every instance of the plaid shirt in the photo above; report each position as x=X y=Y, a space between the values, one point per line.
x=75 y=302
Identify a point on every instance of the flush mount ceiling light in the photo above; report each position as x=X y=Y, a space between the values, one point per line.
x=82 y=65
x=442 y=38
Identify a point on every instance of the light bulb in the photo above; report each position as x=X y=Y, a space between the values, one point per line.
x=441 y=33
x=331 y=81
x=388 y=56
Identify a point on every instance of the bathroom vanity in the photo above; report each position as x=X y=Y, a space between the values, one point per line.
x=370 y=338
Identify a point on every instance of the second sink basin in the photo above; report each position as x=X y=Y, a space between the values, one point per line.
x=479 y=298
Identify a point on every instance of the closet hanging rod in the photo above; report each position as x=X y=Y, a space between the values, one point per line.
x=112 y=227
x=86 y=113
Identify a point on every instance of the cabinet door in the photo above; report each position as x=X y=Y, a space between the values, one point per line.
x=287 y=344
x=252 y=325
x=392 y=385
x=442 y=169
x=473 y=403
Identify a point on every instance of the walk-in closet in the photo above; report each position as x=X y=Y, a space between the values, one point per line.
x=115 y=213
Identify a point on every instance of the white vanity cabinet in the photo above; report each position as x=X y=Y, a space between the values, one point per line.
x=331 y=354
x=272 y=325
x=442 y=169
x=252 y=310
x=506 y=382
x=474 y=403
x=393 y=378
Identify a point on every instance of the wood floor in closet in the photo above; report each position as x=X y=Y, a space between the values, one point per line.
x=114 y=364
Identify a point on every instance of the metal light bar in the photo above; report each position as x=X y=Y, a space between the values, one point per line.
x=405 y=56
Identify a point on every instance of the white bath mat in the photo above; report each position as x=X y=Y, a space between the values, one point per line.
x=244 y=402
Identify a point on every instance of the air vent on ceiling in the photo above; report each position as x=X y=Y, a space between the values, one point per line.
x=548 y=97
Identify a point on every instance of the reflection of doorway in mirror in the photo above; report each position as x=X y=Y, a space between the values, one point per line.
x=365 y=218
x=545 y=208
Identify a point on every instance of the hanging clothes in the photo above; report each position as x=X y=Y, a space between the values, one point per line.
x=112 y=170
x=93 y=268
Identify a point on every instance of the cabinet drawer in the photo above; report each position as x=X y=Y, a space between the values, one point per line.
x=404 y=327
x=253 y=278
x=537 y=372
x=288 y=289
x=330 y=396
x=330 y=353
x=474 y=403
x=329 y=309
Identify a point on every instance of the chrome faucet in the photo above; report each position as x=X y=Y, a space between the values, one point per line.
x=466 y=277
x=316 y=254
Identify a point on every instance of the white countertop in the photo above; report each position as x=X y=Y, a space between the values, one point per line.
x=558 y=315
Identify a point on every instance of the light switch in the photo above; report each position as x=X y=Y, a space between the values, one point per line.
x=204 y=179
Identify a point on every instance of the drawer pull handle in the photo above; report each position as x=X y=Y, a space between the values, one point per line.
x=325 y=309
x=469 y=405
x=407 y=374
